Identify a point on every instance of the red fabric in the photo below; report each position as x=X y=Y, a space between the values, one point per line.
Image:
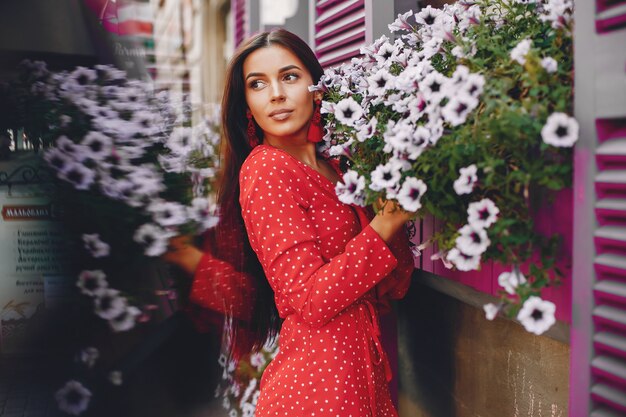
x=329 y=271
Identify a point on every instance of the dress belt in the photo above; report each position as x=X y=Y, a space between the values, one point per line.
x=369 y=317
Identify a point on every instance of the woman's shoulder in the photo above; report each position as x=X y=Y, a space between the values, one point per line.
x=265 y=159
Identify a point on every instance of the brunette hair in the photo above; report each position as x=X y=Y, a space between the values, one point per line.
x=265 y=322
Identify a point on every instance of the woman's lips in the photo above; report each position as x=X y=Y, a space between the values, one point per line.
x=281 y=114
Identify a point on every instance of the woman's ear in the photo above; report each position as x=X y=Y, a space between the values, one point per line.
x=317 y=95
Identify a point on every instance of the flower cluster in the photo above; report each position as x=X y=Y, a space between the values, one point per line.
x=117 y=139
x=240 y=387
x=463 y=116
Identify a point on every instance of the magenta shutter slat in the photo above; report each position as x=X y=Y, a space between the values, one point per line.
x=610 y=15
x=239 y=18
x=339 y=30
x=608 y=363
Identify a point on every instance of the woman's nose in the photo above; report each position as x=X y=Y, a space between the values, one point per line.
x=278 y=94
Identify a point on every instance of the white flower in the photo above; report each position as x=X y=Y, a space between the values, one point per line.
x=57 y=159
x=153 y=238
x=348 y=111
x=401 y=23
x=350 y=191
x=181 y=141
x=433 y=87
x=73 y=398
x=473 y=85
x=233 y=413
x=98 y=145
x=491 y=311
x=90 y=282
x=521 y=50
x=384 y=54
x=379 y=82
x=168 y=213
x=74 y=151
x=549 y=64
x=560 y=130
x=385 y=176
x=511 y=280
x=96 y=247
x=115 y=377
x=427 y=16
x=482 y=213
x=463 y=261
x=89 y=356
x=248 y=409
x=109 y=303
x=537 y=315
x=203 y=211
x=411 y=193
x=458 y=108
x=367 y=130
x=78 y=175
x=125 y=320
x=257 y=360
x=473 y=240
x=467 y=180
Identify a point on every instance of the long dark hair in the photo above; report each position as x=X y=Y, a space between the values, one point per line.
x=265 y=322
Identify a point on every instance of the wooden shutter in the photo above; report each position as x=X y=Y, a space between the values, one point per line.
x=610 y=15
x=608 y=361
x=598 y=337
x=339 y=30
x=240 y=21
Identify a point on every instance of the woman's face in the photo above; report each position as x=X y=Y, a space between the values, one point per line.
x=277 y=92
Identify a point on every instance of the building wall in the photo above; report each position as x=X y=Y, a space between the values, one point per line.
x=454 y=363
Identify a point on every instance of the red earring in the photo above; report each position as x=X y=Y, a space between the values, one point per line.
x=253 y=139
x=316 y=131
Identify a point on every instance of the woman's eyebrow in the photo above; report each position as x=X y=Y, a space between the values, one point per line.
x=283 y=69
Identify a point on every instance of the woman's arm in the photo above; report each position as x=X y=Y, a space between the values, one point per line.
x=217 y=285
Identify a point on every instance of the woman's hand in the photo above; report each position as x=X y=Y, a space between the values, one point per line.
x=182 y=253
x=389 y=219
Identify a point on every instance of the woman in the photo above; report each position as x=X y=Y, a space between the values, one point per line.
x=329 y=266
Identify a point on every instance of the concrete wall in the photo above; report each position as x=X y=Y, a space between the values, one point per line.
x=455 y=363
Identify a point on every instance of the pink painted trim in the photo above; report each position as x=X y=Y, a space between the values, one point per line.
x=609 y=189
x=604 y=272
x=612 y=128
x=326 y=6
x=335 y=17
x=605 y=401
x=337 y=60
x=602 y=5
x=341 y=29
x=613 y=324
x=600 y=347
x=600 y=295
x=604 y=245
x=612 y=217
x=610 y=161
x=612 y=23
x=351 y=39
x=609 y=376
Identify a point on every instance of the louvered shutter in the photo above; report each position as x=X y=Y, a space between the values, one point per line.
x=608 y=363
x=610 y=15
x=240 y=21
x=339 y=30
x=598 y=337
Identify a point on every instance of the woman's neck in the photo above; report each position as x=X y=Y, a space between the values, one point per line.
x=304 y=151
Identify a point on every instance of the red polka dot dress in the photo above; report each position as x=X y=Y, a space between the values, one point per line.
x=330 y=272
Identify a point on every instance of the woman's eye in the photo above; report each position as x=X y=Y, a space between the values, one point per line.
x=256 y=84
x=292 y=76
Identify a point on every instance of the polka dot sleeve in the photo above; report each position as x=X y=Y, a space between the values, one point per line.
x=218 y=286
x=285 y=240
